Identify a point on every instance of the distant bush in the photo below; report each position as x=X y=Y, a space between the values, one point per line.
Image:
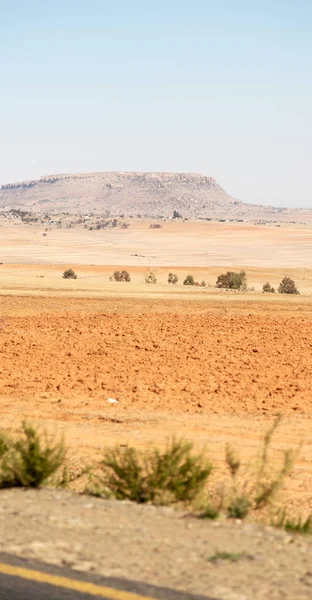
x=176 y=215
x=232 y=280
x=189 y=280
x=173 y=278
x=126 y=276
x=267 y=288
x=150 y=277
x=121 y=276
x=69 y=274
x=203 y=283
x=155 y=226
x=287 y=286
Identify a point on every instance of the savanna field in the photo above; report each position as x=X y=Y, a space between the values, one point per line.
x=213 y=366
x=119 y=366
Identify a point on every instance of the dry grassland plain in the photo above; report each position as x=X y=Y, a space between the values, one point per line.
x=214 y=366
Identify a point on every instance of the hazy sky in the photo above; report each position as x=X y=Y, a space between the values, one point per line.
x=222 y=88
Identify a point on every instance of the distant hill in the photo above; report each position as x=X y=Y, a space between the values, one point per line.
x=133 y=194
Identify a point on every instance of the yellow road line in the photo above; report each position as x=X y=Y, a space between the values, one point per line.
x=70 y=584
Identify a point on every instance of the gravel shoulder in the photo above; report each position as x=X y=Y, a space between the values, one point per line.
x=158 y=546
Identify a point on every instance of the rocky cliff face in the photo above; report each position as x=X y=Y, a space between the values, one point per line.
x=132 y=194
x=148 y=194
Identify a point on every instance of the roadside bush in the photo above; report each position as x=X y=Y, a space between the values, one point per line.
x=287 y=286
x=189 y=280
x=150 y=277
x=173 y=278
x=254 y=492
x=293 y=524
x=121 y=276
x=267 y=481
x=161 y=477
x=28 y=461
x=203 y=283
x=174 y=475
x=232 y=280
x=238 y=507
x=268 y=289
x=69 y=274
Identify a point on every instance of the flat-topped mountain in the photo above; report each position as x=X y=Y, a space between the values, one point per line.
x=133 y=194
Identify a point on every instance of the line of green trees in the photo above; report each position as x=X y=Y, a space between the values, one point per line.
x=231 y=280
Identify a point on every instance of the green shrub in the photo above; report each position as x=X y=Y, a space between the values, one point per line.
x=287 y=286
x=241 y=498
x=29 y=461
x=232 y=280
x=268 y=289
x=293 y=524
x=189 y=280
x=4 y=444
x=238 y=507
x=173 y=278
x=210 y=511
x=69 y=274
x=269 y=483
x=160 y=477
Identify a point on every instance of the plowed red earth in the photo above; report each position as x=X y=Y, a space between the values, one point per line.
x=158 y=361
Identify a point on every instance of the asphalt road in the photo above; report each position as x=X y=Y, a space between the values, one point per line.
x=22 y=579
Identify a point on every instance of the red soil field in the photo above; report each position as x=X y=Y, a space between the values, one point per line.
x=215 y=372
x=166 y=361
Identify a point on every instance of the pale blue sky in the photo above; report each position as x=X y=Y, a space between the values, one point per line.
x=221 y=88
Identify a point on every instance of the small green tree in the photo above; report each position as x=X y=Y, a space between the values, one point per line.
x=150 y=277
x=69 y=274
x=125 y=276
x=121 y=276
x=268 y=289
x=173 y=278
x=189 y=280
x=117 y=276
x=232 y=280
x=287 y=286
